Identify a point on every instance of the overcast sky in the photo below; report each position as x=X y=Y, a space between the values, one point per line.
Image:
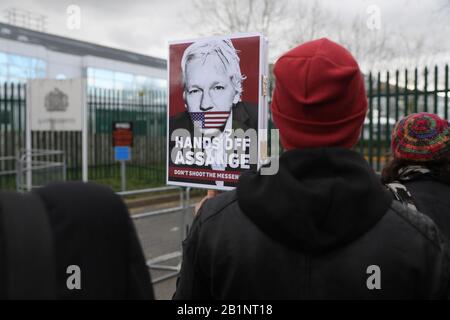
x=145 y=26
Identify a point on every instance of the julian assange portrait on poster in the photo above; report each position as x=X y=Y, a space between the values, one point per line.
x=216 y=106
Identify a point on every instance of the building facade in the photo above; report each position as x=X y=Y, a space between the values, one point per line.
x=27 y=54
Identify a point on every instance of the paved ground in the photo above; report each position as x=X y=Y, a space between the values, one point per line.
x=159 y=236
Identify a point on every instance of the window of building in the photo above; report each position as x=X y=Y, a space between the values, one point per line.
x=18 y=68
x=108 y=79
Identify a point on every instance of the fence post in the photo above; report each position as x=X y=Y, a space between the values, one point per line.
x=435 y=89
x=28 y=141
x=123 y=176
x=84 y=134
x=416 y=91
x=370 y=144
x=446 y=93
x=388 y=112
x=378 y=121
x=405 y=93
x=396 y=95
x=425 y=90
x=185 y=207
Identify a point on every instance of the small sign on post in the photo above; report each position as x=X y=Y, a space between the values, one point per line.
x=122 y=143
x=122 y=134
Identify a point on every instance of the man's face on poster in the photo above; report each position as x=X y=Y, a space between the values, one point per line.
x=208 y=86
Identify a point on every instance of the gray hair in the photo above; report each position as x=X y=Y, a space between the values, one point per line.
x=226 y=52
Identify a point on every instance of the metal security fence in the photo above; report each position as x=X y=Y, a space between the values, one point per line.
x=146 y=109
x=391 y=95
x=12 y=131
x=165 y=256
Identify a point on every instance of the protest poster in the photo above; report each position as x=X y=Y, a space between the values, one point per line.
x=217 y=110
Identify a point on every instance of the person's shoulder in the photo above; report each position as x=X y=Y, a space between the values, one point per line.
x=219 y=204
x=428 y=181
x=418 y=222
x=74 y=203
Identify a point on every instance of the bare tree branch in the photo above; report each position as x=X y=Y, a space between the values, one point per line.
x=288 y=23
x=236 y=15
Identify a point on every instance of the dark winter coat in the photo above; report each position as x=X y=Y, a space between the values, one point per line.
x=431 y=196
x=87 y=227
x=316 y=230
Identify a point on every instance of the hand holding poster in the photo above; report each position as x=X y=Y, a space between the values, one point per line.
x=216 y=106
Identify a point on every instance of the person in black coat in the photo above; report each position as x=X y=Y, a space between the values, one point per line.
x=421 y=163
x=70 y=241
x=322 y=227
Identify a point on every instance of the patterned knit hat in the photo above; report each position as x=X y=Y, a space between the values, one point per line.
x=421 y=137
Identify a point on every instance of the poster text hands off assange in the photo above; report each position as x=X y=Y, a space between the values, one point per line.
x=233 y=148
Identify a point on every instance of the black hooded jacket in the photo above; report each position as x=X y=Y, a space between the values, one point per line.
x=93 y=230
x=81 y=226
x=431 y=195
x=316 y=230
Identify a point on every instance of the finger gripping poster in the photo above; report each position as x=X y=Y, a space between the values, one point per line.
x=217 y=108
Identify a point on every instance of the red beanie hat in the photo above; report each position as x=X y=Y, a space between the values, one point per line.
x=319 y=98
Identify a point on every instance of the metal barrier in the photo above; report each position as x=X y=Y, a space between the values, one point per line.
x=27 y=165
x=157 y=263
x=8 y=172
